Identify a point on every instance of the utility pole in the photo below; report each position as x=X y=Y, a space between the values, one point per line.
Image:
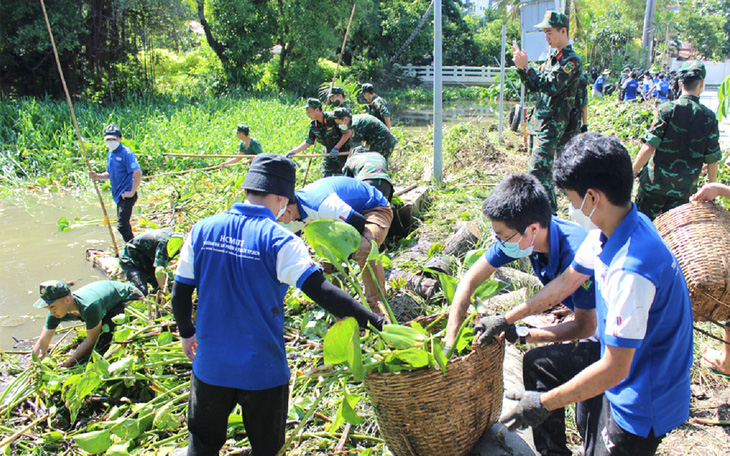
x=438 y=133
x=646 y=36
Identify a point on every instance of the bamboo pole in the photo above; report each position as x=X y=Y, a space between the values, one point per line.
x=244 y=156
x=342 y=50
x=76 y=126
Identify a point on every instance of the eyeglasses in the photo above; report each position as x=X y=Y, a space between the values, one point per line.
x=502 y=242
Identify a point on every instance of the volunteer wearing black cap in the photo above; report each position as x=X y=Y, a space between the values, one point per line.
x=323 y=128
x=95 y=304
x=124 y=174
x=242 y=263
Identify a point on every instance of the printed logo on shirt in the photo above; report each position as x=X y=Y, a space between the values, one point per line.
x=587 y=284
x=569 y=67
x=618 y=326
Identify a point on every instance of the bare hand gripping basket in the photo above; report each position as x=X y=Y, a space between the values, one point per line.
x=427 y=413
x=698 y=233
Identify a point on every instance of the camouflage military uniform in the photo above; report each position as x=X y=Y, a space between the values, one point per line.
x=685 y=134
x=556 y=82
x=142 y=255
x=367 y=128
x=328 y=134
x=575 y=120
x=370 y=167
x=378 y=108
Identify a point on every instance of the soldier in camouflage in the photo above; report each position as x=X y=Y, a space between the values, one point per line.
x=376 y=106
x=337 y=98
x=370 y=167
x=145 y=258
x=556 y=84
x=323 y=128
x=682 y=138
x=368 y=129
x=578 y=120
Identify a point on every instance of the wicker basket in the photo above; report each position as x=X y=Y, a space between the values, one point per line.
x=698 y=233
x=427 y=413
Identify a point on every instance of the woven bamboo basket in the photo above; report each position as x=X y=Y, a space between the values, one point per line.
x=427 y=413
x=698 y=233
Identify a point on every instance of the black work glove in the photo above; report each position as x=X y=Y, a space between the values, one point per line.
x=489 y=327
x=583 y=128
x=529 y=411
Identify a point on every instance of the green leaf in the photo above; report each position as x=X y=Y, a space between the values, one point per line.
x=436 y=248
x=333 y=240
x=165 y=420
x=412 y=358
x=119 y=319
x=99 y=364
x=119 y=449
x=122 y=334
x=448 y=285
x=121 y=365
x=164 y=338
x=345 y=411
x=174 y=244
x=63 y=224
x=489 y=289
x=437 y=350
x=127 y=429
x=94 y=442
x=354 y=356
x=235 y=420
x=386 y=261
x=374 y=254
x=471 y=257
x=338 y=339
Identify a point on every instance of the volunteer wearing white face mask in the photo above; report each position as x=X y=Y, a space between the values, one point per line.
x=125 y=175
x=580 y=218
x=366 y=129
x=523 y=226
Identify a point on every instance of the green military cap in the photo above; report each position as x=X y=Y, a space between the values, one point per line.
x=694 y=65
x=554 y=19
x=313 y=103
x=337 y=91
x=51 y=290
x=341 y=113
x=368 y=88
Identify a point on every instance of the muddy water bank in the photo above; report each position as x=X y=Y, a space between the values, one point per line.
x=33 y=250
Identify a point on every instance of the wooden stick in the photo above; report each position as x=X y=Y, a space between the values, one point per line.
x=244 y=156
x=78 y=132
x=22 y=431
x=342 y=49
x=306 y=173
x=170 y=173
x=405 y=190
x=340 y=447
x=711 y=422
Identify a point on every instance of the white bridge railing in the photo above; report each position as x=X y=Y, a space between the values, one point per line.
x=456 y=75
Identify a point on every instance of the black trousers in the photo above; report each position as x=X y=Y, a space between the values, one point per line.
x=612 y=440
x=264 y=417
x=107 y=326
x=139 y=279
x=548 y=367
x=124 y=215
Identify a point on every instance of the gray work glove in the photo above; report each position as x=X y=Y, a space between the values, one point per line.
x=290 y=154
x=334 y=152
x=487 y=328
x=529 y=411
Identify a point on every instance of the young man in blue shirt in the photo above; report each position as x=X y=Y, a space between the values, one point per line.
x=242 y=263
x=523 y=225
x=124 y=174
x=352 y=201
x=643 y=310
x=630 y=87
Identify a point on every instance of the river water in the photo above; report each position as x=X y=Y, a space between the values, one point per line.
x=32 y=250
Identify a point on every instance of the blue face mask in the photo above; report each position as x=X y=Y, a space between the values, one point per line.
x=513 y=250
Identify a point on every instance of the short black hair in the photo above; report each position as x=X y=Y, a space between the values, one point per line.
x=690 y=80
x=243 y=129
x=519 y=201
x=592 y=160
x=632 y=75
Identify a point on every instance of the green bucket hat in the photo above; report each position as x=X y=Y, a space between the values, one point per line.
x=554 y=19
x=51 y=290
x=695 y=66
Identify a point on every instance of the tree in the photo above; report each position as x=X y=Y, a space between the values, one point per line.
x=702 y=26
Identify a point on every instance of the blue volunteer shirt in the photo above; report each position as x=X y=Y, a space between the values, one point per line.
x=630 y=87
x=334 y=198
x=242 y=262
x=662 y=90
x=120 y=164
x=565 y=239
x=642 y=303
x=598 y=85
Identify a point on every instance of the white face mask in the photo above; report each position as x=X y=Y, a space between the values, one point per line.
x=580 y=218
x=112 y=145
x=294 y=226
x=343 y=127
x=281 y=212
